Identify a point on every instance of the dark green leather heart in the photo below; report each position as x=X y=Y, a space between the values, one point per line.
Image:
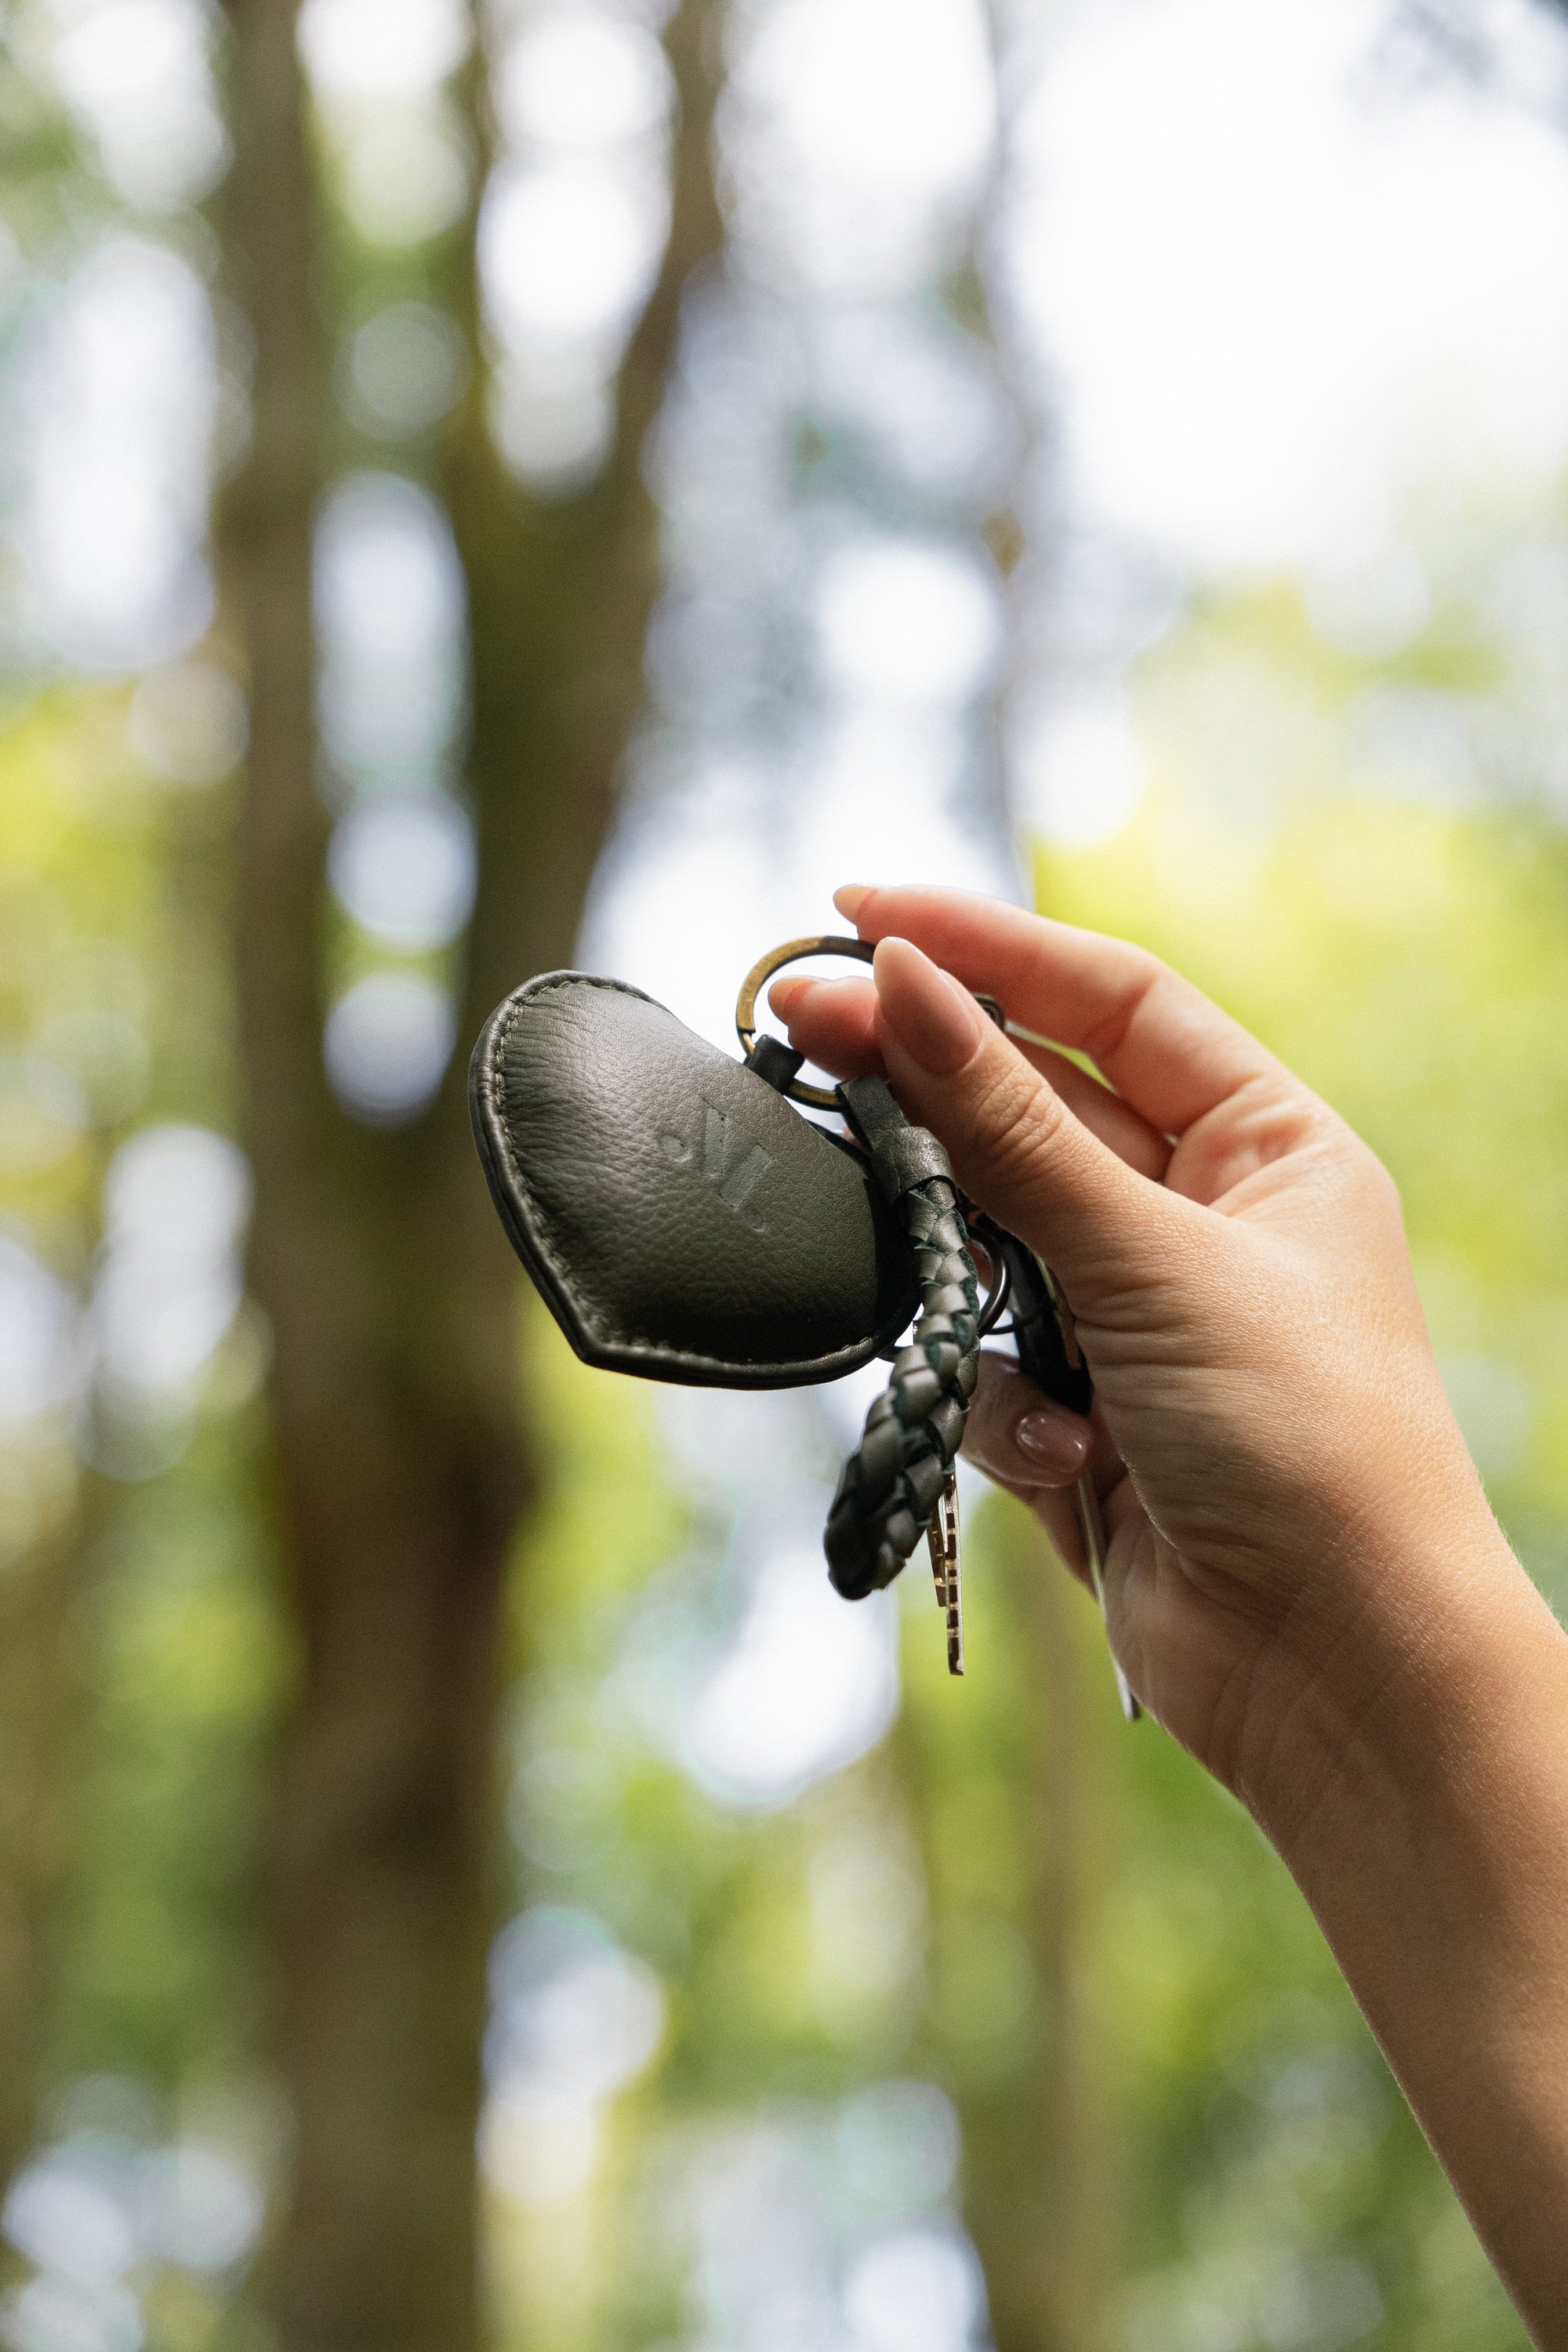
x=683 y=1222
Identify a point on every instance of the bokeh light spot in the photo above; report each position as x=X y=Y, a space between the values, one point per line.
x=403 y=866
x=388 y=1041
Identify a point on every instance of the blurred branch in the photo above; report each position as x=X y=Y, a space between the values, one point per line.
x=1036 y=2151
x=561 y=590
x=36 y=1753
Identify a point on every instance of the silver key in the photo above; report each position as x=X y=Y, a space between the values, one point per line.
x=943 y=1538
x=1092 y=1527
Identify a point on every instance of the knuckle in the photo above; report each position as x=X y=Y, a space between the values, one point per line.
x=1014 y=1118
x=1370 y=1179
x=1143 y=972
x=1382 y=1185
x=983 y=1443
x=1000 y=1397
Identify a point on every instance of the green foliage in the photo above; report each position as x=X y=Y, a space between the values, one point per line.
x=183 y=1664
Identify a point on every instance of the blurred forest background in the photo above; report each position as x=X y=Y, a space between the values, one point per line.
x=575 y=483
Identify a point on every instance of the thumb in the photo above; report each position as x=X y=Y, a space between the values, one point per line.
x=1016 y=1148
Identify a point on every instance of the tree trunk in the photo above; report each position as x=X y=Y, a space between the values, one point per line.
x=1034 y=2192
x=36 y=1594
x=1022 y=2059
x=402 y=1455
x=560 y=590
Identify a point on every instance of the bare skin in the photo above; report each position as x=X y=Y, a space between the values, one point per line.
x=1304 y=1583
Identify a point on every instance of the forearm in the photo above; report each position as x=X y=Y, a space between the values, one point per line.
x=1435 y=1854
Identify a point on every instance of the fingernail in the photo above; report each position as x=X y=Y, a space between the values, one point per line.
x=936 y=1021
x=785 y=993
x=848 y=896
x=1054 y=1442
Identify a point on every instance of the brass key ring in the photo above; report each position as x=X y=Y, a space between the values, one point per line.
x=793 y=952
x=797 y=951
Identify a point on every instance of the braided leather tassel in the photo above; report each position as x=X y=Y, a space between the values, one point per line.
x=887 y=1489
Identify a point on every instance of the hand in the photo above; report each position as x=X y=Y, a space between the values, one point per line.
x=1289 y=1507
x=1303 y=1581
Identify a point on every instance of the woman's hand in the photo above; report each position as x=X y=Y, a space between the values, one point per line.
x=1303 y=1581
x=1288 y=1504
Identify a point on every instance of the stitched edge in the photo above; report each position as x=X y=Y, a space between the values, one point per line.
x=521 y=1216
x=497 y=1033
x=525 y=1207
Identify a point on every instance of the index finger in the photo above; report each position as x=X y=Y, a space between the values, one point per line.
x=1164 y=1044
x=834 y=1024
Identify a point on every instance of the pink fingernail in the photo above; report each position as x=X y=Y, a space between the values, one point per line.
x=936 y=1021
x=1053 y=1441
x=848 y=898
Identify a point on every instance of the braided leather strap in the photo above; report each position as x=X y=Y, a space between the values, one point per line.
x=888 y=1486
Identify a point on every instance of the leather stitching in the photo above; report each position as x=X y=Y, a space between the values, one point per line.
x=528 y=1207
x=531 y=990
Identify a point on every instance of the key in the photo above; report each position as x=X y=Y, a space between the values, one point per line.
x=1091 y=1528
x=943 y=1538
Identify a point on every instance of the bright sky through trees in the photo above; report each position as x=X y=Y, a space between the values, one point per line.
x=1286 y=284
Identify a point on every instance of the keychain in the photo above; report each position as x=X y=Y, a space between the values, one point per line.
x=683 y=1222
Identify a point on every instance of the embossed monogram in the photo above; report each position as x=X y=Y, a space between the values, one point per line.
x=734 y=1178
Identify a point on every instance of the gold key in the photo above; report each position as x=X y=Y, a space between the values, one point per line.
x=943 y=1538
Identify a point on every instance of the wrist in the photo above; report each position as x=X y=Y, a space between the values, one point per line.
x=1410 y=1717
x=1420 y=1801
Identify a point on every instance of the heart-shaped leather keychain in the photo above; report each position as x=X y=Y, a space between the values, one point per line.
x=684 y=1223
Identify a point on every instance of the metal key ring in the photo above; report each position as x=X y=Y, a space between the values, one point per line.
x=793 y=952
x=797 y=951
